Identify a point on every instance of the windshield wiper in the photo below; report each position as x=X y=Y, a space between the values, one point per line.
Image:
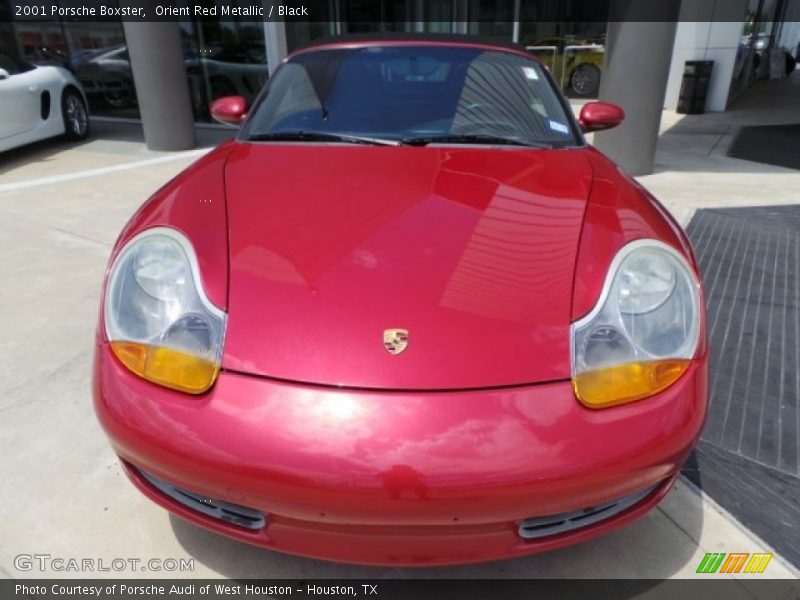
x=318 y=136
x=471 y=138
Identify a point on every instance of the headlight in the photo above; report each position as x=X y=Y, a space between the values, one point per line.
x=644 y=330
x=159 y=322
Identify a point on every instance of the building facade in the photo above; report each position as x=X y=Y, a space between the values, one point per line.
x=181 y=66
x=234 y=56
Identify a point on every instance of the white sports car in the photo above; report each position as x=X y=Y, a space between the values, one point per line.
x=38 y=103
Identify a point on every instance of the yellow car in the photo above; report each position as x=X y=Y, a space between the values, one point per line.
x=575 y=64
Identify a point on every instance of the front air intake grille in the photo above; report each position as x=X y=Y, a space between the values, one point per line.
x=539 y=527
x=218 y=509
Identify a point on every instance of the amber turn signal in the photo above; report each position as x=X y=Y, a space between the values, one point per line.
x=168 y=367
x=629 y=382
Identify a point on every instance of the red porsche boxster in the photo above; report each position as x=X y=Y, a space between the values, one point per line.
x=408 y=316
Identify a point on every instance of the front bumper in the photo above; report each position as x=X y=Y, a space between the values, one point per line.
x=401 y=478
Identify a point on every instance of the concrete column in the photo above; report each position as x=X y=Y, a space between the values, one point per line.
x=275 y=32
x=162 y=89
x=638 y=56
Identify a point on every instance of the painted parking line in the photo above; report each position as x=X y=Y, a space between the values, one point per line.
x=29 y=183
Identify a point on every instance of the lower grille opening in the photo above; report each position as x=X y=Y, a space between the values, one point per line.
x=218 y=509
x=539 y=527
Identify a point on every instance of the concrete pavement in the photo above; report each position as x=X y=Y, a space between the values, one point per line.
x=65 y=494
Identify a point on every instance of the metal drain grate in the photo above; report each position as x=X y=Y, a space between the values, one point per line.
x=218 y=509
x=539 y=527
x=750 y=262
x=748 y=459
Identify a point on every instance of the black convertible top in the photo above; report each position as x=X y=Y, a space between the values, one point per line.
x=368 y=38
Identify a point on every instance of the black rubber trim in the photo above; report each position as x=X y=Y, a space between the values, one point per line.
x=235 y=514
x=539 y=527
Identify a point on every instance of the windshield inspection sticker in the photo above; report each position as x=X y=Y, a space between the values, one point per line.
x=559 y=127
x=530 y=72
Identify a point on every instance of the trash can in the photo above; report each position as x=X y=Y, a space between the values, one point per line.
x=694 y=88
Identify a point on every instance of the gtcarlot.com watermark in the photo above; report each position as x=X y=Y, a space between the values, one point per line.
x=48 y=563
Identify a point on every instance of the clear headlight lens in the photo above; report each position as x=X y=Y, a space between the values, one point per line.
x=644 y=331
x=646 y=280
x=159 y=322
x=160 y=269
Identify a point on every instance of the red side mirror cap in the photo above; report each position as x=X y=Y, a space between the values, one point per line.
x=230 y=110
x=596 y=116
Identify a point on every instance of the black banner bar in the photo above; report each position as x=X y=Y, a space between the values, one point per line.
x=403 y=11
x=717 y=587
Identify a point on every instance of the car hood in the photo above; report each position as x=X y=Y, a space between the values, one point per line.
x=471 y=250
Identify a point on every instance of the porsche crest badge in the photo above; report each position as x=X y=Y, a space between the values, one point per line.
x=395 y=340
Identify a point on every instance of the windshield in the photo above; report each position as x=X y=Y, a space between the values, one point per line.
x=412 y=94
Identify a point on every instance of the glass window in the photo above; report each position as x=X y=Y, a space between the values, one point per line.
x=10 y=65
x=574 y=50
x=492 y=18
x=94 y=52
x=300 y=33
x=107 y=79
x=438 y=16
x=365 y=16
x=223 y=58
x=748 y=57
x=399 y=92
x=368 y=16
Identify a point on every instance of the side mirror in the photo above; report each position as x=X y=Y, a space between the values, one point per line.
x=596 y=116
x=4 y=74
x=230 y=110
